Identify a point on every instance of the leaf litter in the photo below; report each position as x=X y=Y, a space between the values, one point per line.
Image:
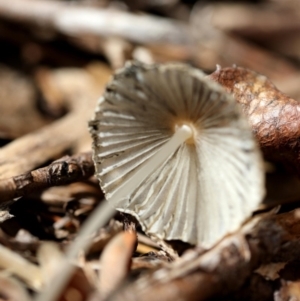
x=53 y=69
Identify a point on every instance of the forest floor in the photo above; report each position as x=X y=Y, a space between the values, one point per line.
x=56 y=58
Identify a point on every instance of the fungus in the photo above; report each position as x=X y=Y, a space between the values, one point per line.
x=173 y=149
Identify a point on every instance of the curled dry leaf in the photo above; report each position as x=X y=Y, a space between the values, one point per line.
x=115 y=262
x=164 y=138
x=273 y=116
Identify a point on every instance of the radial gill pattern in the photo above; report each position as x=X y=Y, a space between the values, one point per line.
x=209 y=185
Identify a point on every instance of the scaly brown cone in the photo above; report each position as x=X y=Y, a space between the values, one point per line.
x=274 y=117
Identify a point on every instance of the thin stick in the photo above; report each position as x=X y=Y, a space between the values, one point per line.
x=105 y=210
x=60 y=172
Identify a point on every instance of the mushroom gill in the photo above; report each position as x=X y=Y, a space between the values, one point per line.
x=201 y=187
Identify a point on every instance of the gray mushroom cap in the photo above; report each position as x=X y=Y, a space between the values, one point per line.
x=208 y=186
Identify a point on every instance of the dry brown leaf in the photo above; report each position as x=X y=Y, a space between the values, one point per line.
x=115 y=262
x=274 y=117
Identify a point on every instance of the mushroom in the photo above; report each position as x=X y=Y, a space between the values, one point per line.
x=173 y=149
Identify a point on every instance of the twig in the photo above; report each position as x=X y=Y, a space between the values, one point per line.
x=63 y=171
